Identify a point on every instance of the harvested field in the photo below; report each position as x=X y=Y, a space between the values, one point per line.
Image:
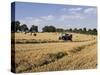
x=81 y=53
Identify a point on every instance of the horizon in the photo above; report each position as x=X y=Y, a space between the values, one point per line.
x=60 y=16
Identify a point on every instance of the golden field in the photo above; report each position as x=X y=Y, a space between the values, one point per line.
x=54 y=55
x=49 y=37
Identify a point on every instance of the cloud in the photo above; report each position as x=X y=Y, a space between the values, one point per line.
x=49 y=17
x=72 y=9
x=30 y=21
x=64 y=9
x=90 y=11
x=71 y=17
x=37 y=21
x=25 y=21
x=28 y=18
x=75 y=9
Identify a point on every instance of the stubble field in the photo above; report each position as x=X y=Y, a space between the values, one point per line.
x=45 y=52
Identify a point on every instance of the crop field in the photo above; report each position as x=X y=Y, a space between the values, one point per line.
x=45 y=52
x=49 y=37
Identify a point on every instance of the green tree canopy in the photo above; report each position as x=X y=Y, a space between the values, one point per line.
x=60 y=30
x=15 y=26
x=49 y=29
x=24 y=28
x=34 y=28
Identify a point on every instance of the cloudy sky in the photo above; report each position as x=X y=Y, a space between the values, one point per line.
x=61 y=16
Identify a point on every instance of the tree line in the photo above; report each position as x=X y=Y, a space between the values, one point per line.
x=83 y=31
x=17 y=27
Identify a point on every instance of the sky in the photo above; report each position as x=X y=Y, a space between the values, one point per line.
x=58 y=15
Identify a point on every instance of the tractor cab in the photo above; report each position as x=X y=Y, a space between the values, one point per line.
x=65 y=37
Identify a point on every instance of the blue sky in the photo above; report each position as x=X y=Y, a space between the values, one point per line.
x=61 y=16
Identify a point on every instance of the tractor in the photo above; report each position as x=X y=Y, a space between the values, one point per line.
x=65 y=37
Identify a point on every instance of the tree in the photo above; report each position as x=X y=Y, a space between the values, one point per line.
x=89 y=30
x=80 y=30
x=52 y=29
x=15 y=26
x=24 y=28
x=92 y=31
x=49 y=29
x=84 y=29
x=60 y=30
x=70 y=30
x=75 y=30
x=34 y=28
x=95 y=31
x=45 y=29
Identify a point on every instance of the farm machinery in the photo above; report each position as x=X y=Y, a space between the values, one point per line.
x=65 y=37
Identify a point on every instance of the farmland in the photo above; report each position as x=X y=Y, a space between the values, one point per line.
x=45 y=52
x=49 y=37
